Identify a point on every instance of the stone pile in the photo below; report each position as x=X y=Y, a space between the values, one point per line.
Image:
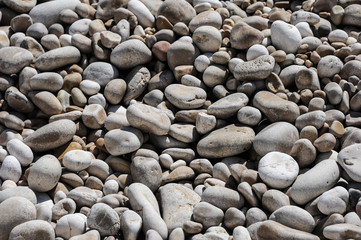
x=180 y=119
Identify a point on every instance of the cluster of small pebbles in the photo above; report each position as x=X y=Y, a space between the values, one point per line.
x=180 y=119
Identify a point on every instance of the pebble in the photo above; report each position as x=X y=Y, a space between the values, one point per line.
x=153 y=108
x=207 y=214
x=15 y=211
x=323 y=177
x=34 y=229
x=278 y=170
x=44 y=174
x=178 y=203
x=275 y=108
x=257 y=69
x=279 y=137
x=14 y=59
x=226 y=141
x=109 y=224
x=57 y=58
x=130 y=53
x=285 y=36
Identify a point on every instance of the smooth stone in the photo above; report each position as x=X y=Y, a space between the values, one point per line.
x=70 y=225
x=46 y=102
x=130 y=225
x=130 y=53
x=241 y=233
x=14 y=59
x=137 y=81
x=18 y=191
x=33 y=230
x=89 y=235
x=77 y=160
x=44 y=174
x=185 y=97
x=10 y=169
x=304 y=16
x=206 y=18
x=294 y=217
x=244 y=36
x=177 y=203
x=147 y=171
x=143 y=14
x=181 y=52
x=148 y=119
x=123 y=141
x=207 y=38
x=233 y=218
x=48 y=81
x=207 y=214
x=278 y=170
x=114 y=91
x=15 y=211
x=352 y=16
x=307 y=79
x=143 y=201
x=177 y=11
x=348 y=159
x=351 y=68
x=228 y=105
x=62 y=208
x=285 y=36
x=51 y=135
x=100 y=72
x=257 y=69
x=215 y=75
x=333 y=92
x=83 y=196
x=288 y=74
x=110 y=221
x=315 y=118
x=334 y=200
x=256 y=51
x=275 y=108
x=279 y=137
x=342 y=231
x=58 y=58
x=273 y=230
x=320 y=178
x=249 y=115
x=222 y=197
x=94 y=116
x=48 y=12
x=274 y=199
x=184 y=132
x=225 y=142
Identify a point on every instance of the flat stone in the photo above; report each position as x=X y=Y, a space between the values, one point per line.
x=18 y=191
x=185 y=97
x=83 y=196
x=352 y=16
x=228 y=105
x=100 y=72
x=342 y=231
x=123 y=141
x=225 y=142
x=110 y=222
x=207 y=214
x=146 y=170
x=206 y=18
x=77 y=160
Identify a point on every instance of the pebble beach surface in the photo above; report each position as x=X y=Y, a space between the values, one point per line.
x=180 y=119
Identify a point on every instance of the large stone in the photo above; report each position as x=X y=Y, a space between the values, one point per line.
x=279 y=137
x=130 y=53
x=15 y=211
x=275 y=108
x=257 y=69
x=222 y=197
x=57 y=58
x=51 y=136
x=100 y=72
x=225 y=142
x=123 y=141
x=14 y=59
x=352 y=15
x=146 y=170
x=315 y=181
x=350 y=160
x=244 y=36
x=177 y=204
x=285 y=36
x=104 y=219
x=33 y=230
x=177 y=11
x=44 y=174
